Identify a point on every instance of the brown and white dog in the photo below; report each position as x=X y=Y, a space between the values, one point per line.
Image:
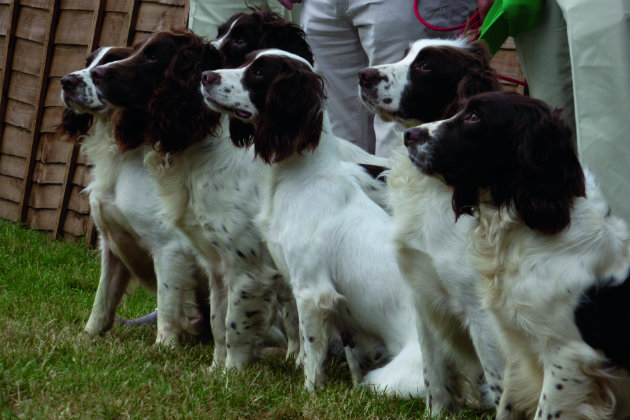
x=554 y=261
x=459 y=339
x=323 y=231
x=207 y=187
x=134 y=243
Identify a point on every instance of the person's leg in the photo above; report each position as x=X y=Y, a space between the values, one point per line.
x=544 y=57
x=599 y=44
x=387 y=27
x=338 y=57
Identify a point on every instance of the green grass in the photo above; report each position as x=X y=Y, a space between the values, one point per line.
x=50 y=369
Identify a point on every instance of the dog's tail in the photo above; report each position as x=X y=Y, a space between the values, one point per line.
x=402 y=377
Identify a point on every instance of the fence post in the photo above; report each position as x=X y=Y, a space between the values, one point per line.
x=66 y=188
x=27 y=184
x=7 y=57
x=131 y=23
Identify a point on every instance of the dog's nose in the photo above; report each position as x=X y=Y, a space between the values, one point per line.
x=416 y=135
x=369 y=77
x=69 y=82
x=209 y=77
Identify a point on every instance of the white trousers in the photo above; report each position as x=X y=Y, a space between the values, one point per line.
x=578 y=59
x=205 y=16
x=348 y=35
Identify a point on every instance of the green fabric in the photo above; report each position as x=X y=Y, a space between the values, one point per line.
x=509 y=18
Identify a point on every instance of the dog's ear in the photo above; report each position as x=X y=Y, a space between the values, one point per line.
x=129 y=128
x=293 y=117
x=176 y=115
x=282 y=34
x=548 y=176
x=74 y=124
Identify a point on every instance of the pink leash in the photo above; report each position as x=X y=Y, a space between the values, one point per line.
x=473 y=23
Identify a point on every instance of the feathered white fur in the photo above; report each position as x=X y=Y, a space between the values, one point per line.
x=458 y=337
x=134 y=242
x=532 y=284
x=210 y=193
x=333 y=243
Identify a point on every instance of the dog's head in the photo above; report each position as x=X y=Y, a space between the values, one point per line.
x=247 y=32
x=79 y=94
x=429 y=83
x=277 y=92
x=156 y=90
x=516 y=148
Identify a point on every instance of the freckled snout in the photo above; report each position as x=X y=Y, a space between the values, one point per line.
x=368 y=78
x=70 y=82
x=416 y=136
x=209 y=78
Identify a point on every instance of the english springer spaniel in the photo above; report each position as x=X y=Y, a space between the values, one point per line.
x=324 y=233
x=429 y=83
x=208 y=188
x=458 y=337
x=246 y=32
x=134 y=243
x=555 y=262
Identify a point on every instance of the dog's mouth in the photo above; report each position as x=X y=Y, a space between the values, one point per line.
x=79 y=104
x=420 y=160
x=241 y=113
x=230 y=110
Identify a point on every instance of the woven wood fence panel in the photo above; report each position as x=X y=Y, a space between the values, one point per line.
x=42 y=176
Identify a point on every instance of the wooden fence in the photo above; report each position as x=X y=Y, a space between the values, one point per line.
x=41 y=176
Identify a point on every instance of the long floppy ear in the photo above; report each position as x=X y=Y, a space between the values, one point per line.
x=293 y=117
x=74 y=124
x=479 y=77
x=282 y=34
x=548 y=176
x=129 y=128
x=176 y=115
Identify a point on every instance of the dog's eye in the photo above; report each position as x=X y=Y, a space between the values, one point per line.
x=257 y=71
x=422 y=66
x=240 y=41
x=472 y=117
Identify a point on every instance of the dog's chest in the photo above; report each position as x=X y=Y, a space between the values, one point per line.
x=223 y=206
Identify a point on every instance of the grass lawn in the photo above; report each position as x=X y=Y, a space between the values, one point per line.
x=50 y=369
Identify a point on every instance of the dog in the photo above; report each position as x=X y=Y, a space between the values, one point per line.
x=208 y=191
x=458 y=337
x=134 y=243
x=325 y=234
x=246 y=32
x=554 y=261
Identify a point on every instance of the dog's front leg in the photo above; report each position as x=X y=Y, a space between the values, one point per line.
x=251 y=309
x=176 y=298
x=484 y=335
x=576 y=385
x=317 y=305
x=291 y=320
x=218 y=312
x=440 y=380
x=111 y=287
